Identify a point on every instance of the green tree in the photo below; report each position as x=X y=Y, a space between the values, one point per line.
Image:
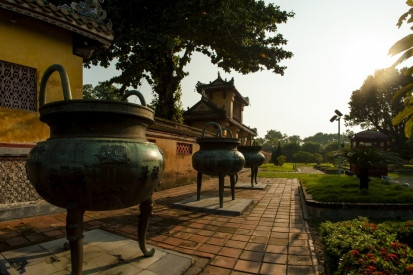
x=322 y=138
x=303 y=157
x=102 y=91
x=312 y=147
x=275 y=153
x=372 y=106
x=289 y=149
x=272 y=138
x=294 y=139
x=176 y=111
x=281 y=160
x=155 y=41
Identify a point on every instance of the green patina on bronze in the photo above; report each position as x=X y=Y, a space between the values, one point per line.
x=97 y=158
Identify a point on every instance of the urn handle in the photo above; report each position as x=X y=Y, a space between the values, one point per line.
x=134 y=92
x=219 y=131
x=67 y=93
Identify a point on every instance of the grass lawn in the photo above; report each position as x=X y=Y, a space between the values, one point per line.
x=334 y=188
x=271 y=168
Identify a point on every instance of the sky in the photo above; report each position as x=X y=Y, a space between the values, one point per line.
x=336 y=46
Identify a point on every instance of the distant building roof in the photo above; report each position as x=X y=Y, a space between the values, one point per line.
x=84 y=20
x=220 y=84
x=206 y=110
x=369 y=134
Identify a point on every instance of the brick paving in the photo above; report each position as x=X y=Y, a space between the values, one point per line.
x=270 y=237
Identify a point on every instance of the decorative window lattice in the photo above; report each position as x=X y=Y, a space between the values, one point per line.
x=184 y=148
x=17 y=86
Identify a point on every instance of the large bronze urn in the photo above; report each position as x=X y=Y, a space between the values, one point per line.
x=217 y=156
x=253 y=159
x=97 y=158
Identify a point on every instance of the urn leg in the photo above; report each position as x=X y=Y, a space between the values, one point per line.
x=255 y=174
x=74 y=231
x=146 y=211
x=221 y=191
x=252 y=176
x=198 y=186
x=233 y=181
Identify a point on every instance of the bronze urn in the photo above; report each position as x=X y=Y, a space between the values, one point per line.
x=97 y=158
x=218 y=156
x=253 y=159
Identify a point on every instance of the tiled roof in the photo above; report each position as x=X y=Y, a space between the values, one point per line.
x=220 y=84
x=370 y=134
x=206 y=110
x=62 y=17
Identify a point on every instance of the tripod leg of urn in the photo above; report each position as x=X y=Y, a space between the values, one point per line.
x=198 y=186
x=146 y=211
x=233 y=181
x=74 y=231
x=221 y=191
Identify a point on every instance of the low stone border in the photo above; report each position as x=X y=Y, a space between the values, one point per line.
x=20 y=210
x=342 y=210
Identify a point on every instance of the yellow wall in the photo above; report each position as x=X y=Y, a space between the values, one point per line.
x=38 y=45
x=178 y=167
x=223 y=98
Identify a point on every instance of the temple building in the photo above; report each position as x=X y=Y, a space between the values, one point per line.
x=222 y=103
x=371 y=139
x=34 y=36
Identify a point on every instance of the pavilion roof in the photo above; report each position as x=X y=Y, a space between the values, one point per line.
x=220 y=84
x=206 y=110
x=370 y=135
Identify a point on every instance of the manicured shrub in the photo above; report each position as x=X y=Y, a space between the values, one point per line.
x=362 y=247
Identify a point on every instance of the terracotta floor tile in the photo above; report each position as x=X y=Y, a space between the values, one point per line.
x=215 y=270
x=236 y=244
x=298 y=250
x=280 y=249
x=299 y=260
x=275 y=269
x=275 y=258
x=299 y=270
x=214 y=249
x=255 y=247
x=198 y=238
x=207 y=233
x=230 y=252
x=17 y=241
x=173 y=241
x=216 y=241
x=248 y=266
x=252 y=256
x=224 y=262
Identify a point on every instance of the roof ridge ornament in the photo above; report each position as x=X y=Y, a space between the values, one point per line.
x=89 y=8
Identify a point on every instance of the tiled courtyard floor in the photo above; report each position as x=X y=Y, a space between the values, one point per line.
x=270 y=237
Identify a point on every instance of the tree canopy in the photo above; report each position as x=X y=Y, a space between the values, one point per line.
x=102 y=91
x=322 y=138
x=154 y=40
x=372 y=106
